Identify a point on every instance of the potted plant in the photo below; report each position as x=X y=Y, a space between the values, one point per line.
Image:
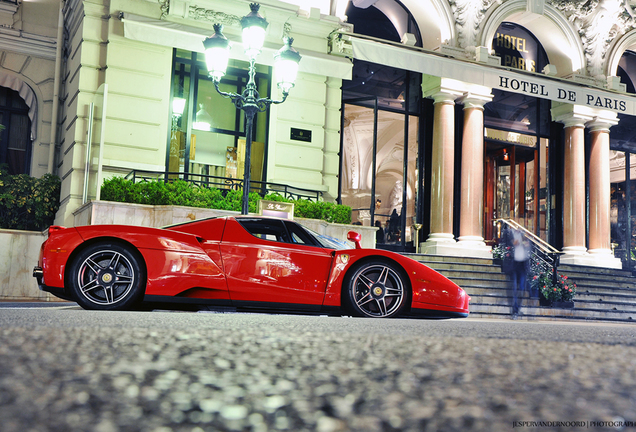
x=559 y=293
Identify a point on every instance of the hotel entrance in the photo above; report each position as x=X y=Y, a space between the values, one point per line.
x=517 y=127
x=515 y=183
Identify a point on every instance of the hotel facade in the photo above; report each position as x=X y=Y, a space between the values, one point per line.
x=430 y=118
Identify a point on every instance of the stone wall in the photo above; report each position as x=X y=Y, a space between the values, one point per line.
x=18 y=255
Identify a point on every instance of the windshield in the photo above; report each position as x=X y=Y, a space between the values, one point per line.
x=327 y=241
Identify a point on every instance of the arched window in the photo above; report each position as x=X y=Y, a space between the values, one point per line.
x=15 y=144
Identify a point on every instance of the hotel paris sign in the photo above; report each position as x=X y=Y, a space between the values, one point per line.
x=518 y=49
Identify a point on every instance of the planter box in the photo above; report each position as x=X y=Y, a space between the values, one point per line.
x=18 y=255
x=108 y=212
x=560 y=304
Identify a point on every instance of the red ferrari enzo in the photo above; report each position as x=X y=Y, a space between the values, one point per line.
x=243 y=262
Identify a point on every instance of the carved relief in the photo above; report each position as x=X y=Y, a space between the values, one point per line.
x=164 y=5
x=469 y=15
x=598 y=23
x=203 y=14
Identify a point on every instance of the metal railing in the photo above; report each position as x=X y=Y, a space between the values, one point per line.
x=544 y=254
x=210 y=181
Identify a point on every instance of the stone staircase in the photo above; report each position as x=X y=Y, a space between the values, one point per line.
x=603 y=295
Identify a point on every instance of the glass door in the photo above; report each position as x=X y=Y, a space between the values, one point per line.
x=358 y=161
x=512 y=180
x=623 y=206
x=378 y=173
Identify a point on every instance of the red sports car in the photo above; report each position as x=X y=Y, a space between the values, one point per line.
x=243 y=262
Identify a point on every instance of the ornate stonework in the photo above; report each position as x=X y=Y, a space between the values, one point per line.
x=203 y=14
x=164 y=5
x=469 y=15
x=598 y=22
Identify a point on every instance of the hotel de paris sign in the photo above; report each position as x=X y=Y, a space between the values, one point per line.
x=570 y=94
x=532 y=84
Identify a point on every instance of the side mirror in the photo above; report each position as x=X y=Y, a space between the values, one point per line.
x=354 y=237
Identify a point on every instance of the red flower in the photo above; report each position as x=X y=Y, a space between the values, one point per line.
x=555 y=289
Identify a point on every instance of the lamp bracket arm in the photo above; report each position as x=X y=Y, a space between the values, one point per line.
x=229 y=95
x=275 y=102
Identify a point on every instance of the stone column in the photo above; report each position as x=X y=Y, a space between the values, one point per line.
x=575 y=118
x=574 y=189
x=443 y=160
x=600 y=201
x=471 y=218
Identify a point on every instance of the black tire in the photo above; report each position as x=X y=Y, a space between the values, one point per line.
x=107 y=276
x=377 y=289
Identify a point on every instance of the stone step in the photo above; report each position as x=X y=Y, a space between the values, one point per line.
x=602 y=294
x=565 y=268
x=452 y=259
x=549 y=312
x=580 y=275
x=607 y=279
x=579 y=304
x=605 y=305
x=602 y=288
x=451 y=274
x=467 y=282
x=462 y=267
x=606 y=296
x=504 y=291
x=495 y=299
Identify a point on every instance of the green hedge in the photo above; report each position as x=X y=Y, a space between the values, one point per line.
x=28 y=203
x=327 y=211
x=182 y=193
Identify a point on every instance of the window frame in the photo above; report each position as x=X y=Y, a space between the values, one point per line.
x=7 y=111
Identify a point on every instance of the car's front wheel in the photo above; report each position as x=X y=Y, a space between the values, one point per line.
x=107 y=276
x=377 y=289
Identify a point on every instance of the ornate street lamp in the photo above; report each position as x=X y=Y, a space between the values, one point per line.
x=217 y=50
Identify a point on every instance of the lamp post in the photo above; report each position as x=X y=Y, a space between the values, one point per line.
x=286 y=60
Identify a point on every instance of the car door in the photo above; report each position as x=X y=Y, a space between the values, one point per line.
x=264 y=262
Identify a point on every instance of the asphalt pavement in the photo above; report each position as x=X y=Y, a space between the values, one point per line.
x=66 y=369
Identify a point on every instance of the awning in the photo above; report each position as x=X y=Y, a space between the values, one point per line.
x=496 y=77
x=177 y=35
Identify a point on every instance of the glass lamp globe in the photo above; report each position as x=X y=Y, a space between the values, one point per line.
x=178 y=105
x=217 y=53
x=254 y=26
x=286 y=65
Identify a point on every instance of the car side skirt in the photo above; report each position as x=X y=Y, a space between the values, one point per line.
x=276 y=306
x=186 y=300
x=431 y=313
x=245 y=305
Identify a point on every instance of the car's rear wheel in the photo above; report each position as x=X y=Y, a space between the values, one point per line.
x=377 y=289
x=107 y=276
